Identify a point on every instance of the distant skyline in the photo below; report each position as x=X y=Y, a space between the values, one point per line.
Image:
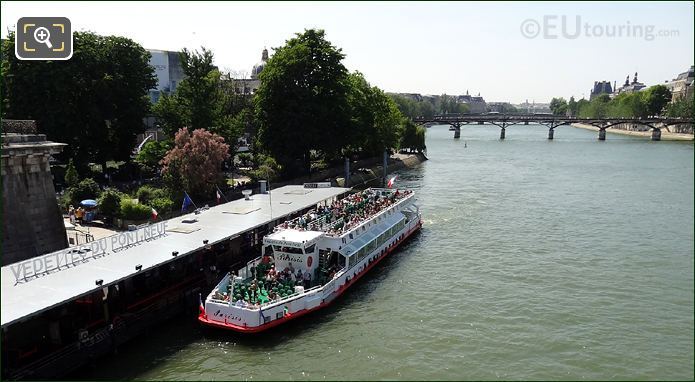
x=495 y=49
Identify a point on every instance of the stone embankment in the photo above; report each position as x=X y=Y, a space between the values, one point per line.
x=667 y=134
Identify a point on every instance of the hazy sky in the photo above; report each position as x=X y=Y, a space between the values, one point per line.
x=428 y=48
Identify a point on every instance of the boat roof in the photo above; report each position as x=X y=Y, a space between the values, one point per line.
x=290 y=236
x=185 y=234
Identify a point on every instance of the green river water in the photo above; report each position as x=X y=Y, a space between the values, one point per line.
x=565 y=259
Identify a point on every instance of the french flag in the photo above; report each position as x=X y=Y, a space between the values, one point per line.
x=391 y=181
x=154 y=214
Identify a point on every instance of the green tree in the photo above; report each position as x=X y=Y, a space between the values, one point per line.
x=683 y=107
x=572 y=107
x=152 y=154
x=201 y=101
x=558 y=106
x=303 y=94
x=95 y=102
x=376 y=119
x=110 y=203
x=656 y=98
x=71 y=176
x=413 y=137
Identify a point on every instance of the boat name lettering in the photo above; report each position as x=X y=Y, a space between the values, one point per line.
x=318 y=185
x=287 y=257
x=70 y=257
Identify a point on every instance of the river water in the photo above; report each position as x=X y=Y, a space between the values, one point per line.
x=565 y=259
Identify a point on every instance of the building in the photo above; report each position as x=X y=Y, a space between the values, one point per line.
x=169 y=72
x=476 y=104
x=601 y=87
x=250 y=85
x=533 y=107
x=32 y=223
x=682 y=85
x=629 y=87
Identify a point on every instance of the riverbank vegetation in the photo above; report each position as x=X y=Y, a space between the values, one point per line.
x=309 y=113
x=653 y=101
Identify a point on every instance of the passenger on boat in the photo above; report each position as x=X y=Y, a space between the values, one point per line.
x=307 y=279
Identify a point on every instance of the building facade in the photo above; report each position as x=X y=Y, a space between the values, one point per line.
x=476 y=104
x=682 y=85
x=630 y=87
x=600 y=87
x=168 y=70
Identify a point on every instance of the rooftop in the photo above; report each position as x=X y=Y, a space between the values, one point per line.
x=22 y=297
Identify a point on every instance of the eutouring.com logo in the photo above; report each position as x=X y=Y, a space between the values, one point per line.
x=551 y=27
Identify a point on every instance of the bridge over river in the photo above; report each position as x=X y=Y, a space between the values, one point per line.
x=551 y=122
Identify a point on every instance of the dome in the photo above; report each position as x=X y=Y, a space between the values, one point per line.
x=258 y=68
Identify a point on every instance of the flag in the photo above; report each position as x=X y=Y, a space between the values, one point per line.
x=218 y=196
x=186 y=202
x=391 y=181
x=154 y=214
x=201 y=307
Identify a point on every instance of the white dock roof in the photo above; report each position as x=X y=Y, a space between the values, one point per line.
x=22 y=298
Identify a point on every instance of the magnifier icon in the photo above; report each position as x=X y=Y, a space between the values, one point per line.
x=42 y=36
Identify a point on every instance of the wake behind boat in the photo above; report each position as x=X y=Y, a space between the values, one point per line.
x=309 y=261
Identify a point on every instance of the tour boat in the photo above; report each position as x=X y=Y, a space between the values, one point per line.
x=326 y=250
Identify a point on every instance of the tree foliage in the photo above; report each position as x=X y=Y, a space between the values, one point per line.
x=413 y=137
x=202 y=100
x=95 y=102
x=194 y=163
x=652 y=101
x=152 y=154
x=134 y=211
x=558 y=106
x=414 y=109
x=376 y=120
x=304 y=88
x=684 y=107
x=110 y=202
x=71 y=176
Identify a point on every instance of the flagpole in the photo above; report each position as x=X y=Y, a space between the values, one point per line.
x=270 y=194
x=223 y=195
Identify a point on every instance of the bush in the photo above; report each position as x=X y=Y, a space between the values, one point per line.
x=86 y=189
x=245 y=159
x=146 y=194
x=268 y=169
x=162 y=205
x=134 y=211
x=110 y=202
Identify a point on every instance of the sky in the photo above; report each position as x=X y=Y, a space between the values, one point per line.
x=504 y=51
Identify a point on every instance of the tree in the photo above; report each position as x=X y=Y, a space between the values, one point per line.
x=656 y=98
x=558 y=106
x=110 y=202
x=683 y=107
x=95 y=102
x=303 y=94
x=413 y=137
x=71 y=176
x=201 y=101
x=195 y=162
x=572 y=107
x=152 y=154
x=376 y=120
